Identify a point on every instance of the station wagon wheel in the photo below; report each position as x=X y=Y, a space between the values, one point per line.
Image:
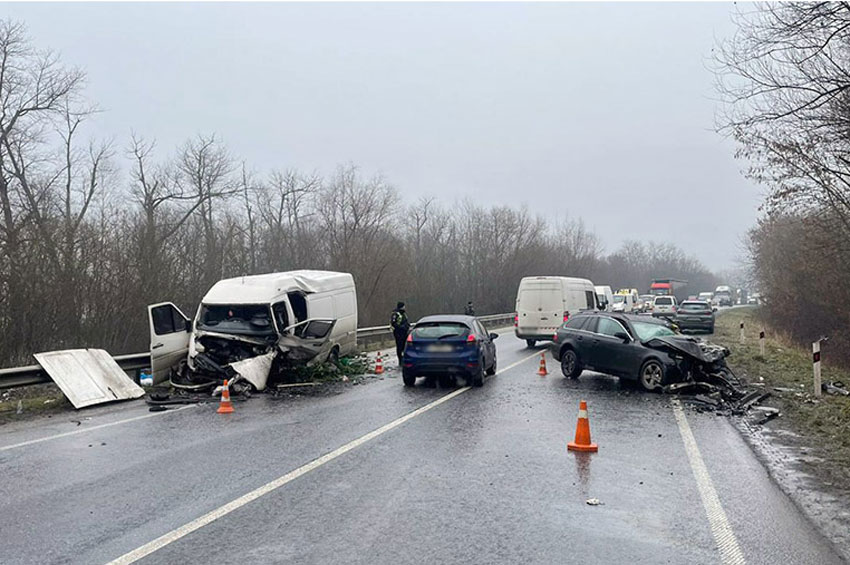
x=570 y=365
x=651 y=375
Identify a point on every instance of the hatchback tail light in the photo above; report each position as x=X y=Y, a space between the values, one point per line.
x=471 y=338
x=409 y=338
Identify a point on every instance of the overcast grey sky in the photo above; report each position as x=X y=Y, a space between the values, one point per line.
x=598 y=111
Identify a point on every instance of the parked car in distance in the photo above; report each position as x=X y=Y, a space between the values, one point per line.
x=695 y=315
x=623 y=303
x=664 y=307
x=614 y=344
x=449 y=346
x=544 y=303
x=648 y=300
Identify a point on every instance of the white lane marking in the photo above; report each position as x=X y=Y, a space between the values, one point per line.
x=222 y=511
x=91 y=429
x=724 y=537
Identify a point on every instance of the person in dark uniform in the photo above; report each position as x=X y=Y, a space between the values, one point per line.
x=401 y=326
x=469 y=310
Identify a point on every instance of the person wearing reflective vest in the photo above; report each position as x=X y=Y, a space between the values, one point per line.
x=401 y=327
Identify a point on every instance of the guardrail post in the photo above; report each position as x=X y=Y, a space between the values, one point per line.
x=816 y=366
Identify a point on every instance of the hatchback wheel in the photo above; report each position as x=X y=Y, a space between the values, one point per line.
x=478 y=376
x=570 y=365
x=492 y=370
x=651 y=375
x=408 y=378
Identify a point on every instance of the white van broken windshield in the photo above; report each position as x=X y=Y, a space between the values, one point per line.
x=242 y=319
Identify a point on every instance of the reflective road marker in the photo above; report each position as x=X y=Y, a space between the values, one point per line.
x=222 y=511
x=724 y=537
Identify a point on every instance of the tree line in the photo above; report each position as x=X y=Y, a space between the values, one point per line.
x=785 y=80
x=91 y=231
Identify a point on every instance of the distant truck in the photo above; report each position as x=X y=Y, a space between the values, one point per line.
x=668 y=287
x=723 y=296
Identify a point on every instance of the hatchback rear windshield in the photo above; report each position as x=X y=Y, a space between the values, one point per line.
x=694 y=306
x=440 y=330
x=663 y=301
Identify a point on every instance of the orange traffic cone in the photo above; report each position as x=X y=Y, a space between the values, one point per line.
x=582 y=442
x=225 y=407
x=542 y=370
x=379 y=365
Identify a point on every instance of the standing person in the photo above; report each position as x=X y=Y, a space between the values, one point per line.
x=401 y=326
x=469 y=310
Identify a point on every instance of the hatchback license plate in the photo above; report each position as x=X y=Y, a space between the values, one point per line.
x=439 y=348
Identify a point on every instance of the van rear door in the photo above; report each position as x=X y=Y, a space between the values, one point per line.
x=540 y=308
x=170 y=332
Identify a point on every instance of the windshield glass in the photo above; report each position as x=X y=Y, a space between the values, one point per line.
x=618 y=298
x=440 y=330
x=647 y=331
x=694 y=306
x=243 y=319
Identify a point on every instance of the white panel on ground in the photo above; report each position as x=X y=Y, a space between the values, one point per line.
x=88 y=376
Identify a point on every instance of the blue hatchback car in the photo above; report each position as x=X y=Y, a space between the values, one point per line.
x=448 y=346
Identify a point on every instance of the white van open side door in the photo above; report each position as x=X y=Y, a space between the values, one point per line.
x=170 y=333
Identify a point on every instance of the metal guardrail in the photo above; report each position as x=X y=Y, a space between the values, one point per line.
x=35 y=375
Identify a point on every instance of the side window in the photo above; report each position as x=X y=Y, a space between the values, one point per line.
x=607 y=326
x=591 y=324
x=299 y=306
x=590 y=297
x=167 y=320
x=576 y=323
x=479 y=329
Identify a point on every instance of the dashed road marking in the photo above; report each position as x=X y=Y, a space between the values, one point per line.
x=724 y=537
x=91 y=429
x=222 y=511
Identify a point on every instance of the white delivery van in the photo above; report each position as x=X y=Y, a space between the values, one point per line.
x=245 y=325
x=544 y=303
x=604 y=297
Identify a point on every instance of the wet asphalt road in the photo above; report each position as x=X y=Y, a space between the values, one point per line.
x=481 y=478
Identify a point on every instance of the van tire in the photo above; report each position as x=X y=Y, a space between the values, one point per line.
x=333 y=356
x=530 y=342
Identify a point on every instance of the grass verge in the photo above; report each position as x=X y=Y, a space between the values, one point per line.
x=821 y=425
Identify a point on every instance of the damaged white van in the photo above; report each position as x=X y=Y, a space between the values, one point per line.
x=248 y=328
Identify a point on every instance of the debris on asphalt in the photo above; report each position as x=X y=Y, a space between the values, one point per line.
x=835 y=387
x=762 y=414
x=594 y=502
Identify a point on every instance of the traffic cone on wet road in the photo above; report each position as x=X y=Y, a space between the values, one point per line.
x=542 y=370
x=225 y=407
x=582 y=441
x=379 y=364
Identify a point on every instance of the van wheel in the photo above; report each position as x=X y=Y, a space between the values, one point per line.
x=530 y=342
x=570 y=364
x=333 y=356
x=651 y=375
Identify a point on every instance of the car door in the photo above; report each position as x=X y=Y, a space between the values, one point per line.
x=309 y=340
x=610 y=353
x=170 y=332
x=488 y=345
